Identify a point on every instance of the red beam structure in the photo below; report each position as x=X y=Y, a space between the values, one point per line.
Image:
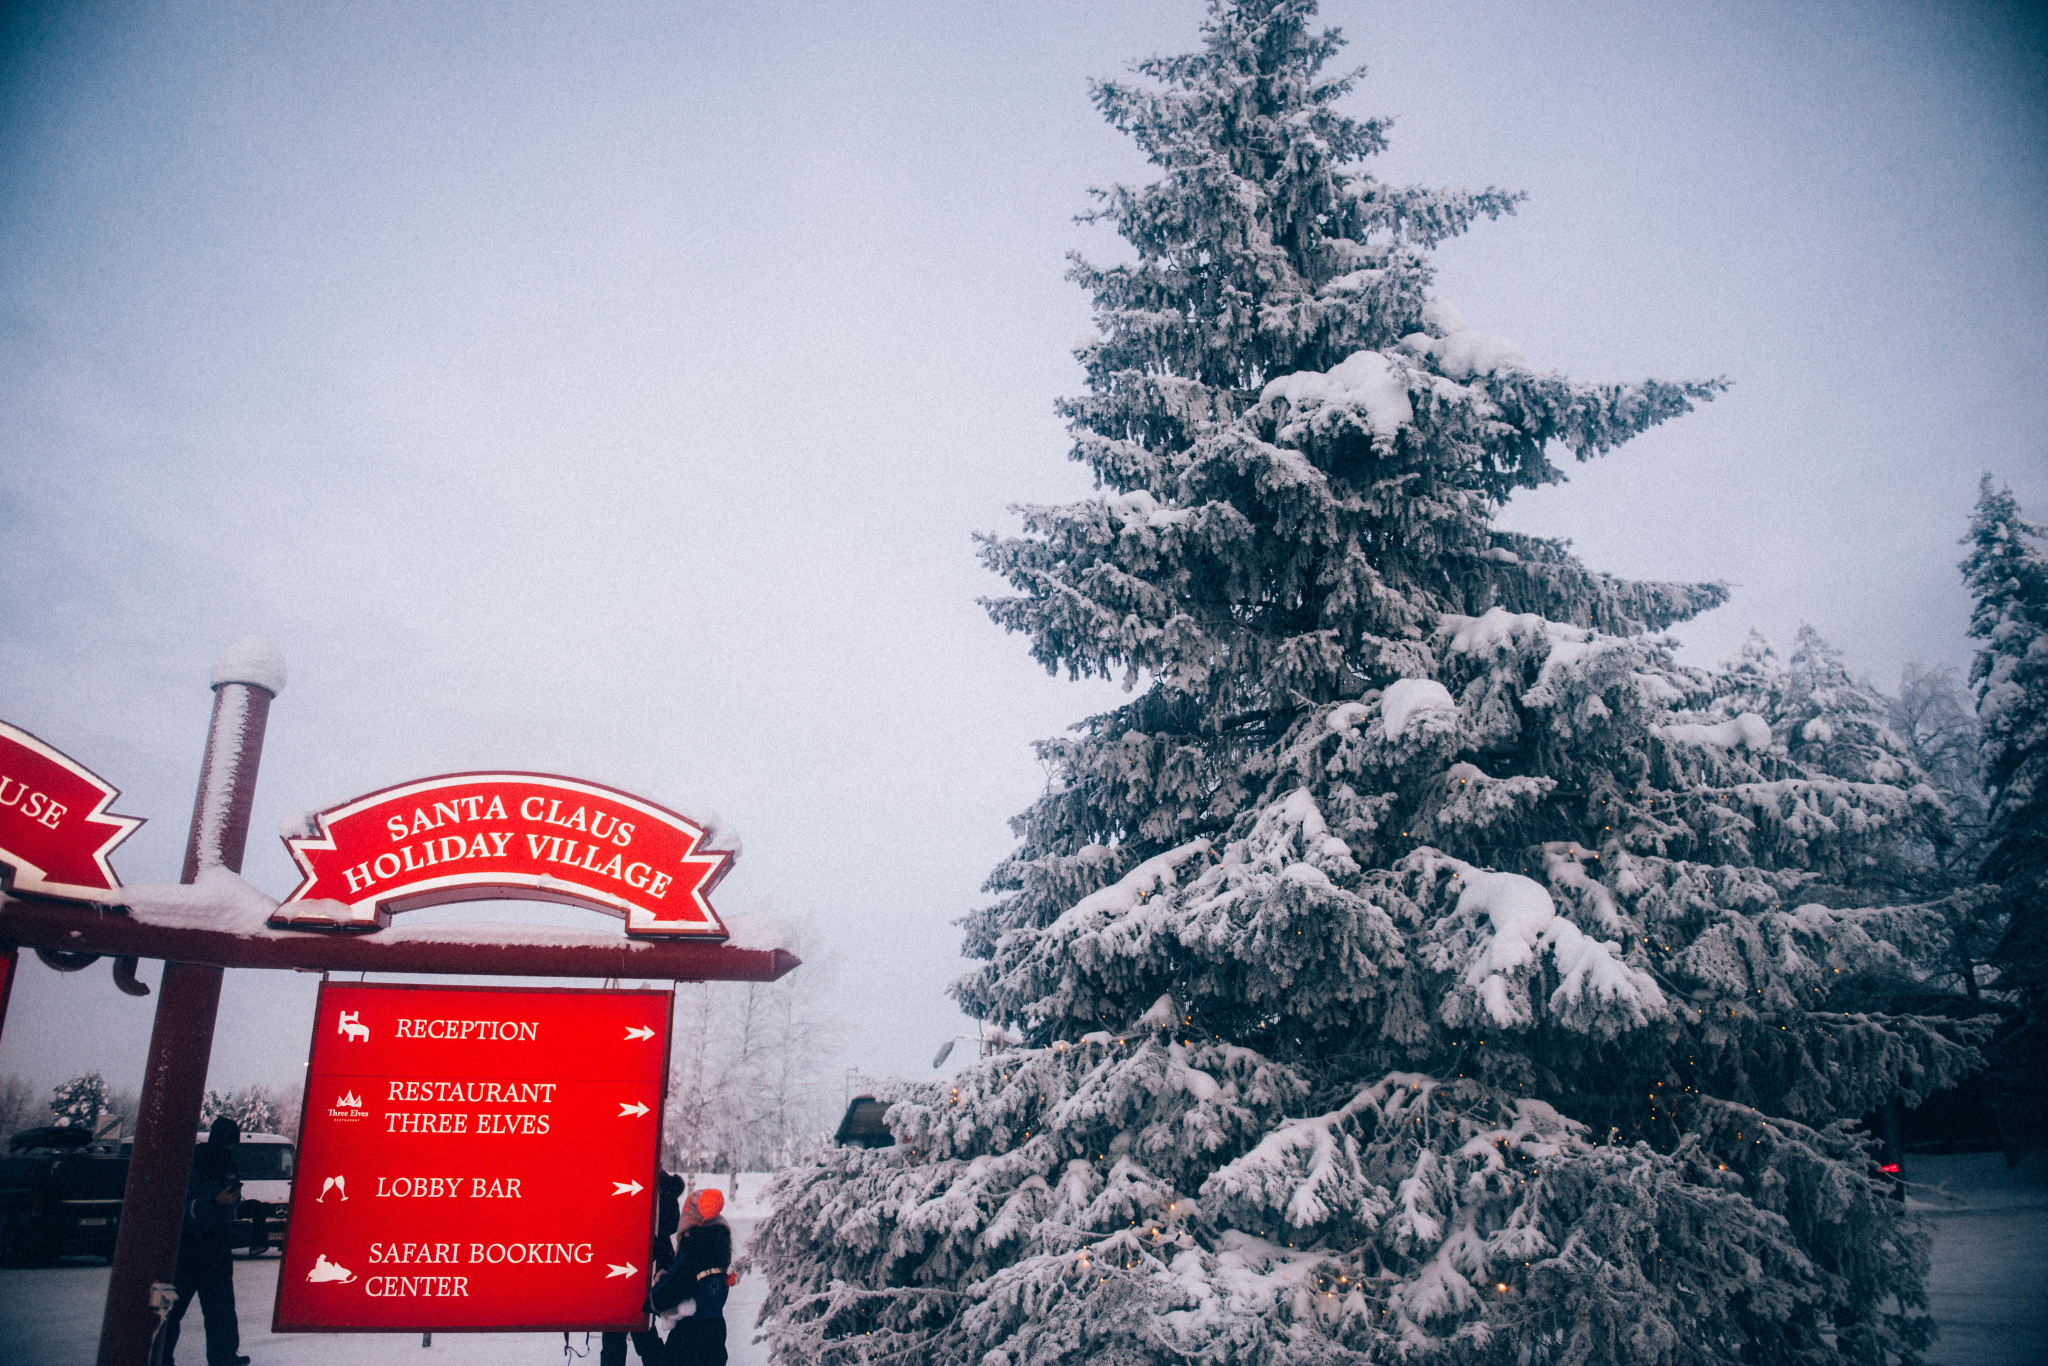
x=33 y=923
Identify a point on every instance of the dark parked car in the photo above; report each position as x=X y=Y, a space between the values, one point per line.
x=863 y=1127
x=60 y=1193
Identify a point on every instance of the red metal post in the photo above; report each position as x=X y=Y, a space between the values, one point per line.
x=227 y=776
x=174 y=1078
x=8 y=963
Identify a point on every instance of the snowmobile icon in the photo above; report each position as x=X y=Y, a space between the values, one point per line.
x=324 y=1270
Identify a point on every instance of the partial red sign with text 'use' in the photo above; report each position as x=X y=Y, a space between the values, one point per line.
x=55 y=828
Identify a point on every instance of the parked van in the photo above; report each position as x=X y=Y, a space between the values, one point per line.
x=60 y=1193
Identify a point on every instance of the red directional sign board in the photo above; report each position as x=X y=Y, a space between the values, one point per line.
x=55 y=830
x=475 y=1158
x=534 y=836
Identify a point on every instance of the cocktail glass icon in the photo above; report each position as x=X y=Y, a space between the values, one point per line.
x=333 y=1183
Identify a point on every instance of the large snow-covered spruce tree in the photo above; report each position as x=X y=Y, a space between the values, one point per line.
x=1416 y=968
x=2007 y=573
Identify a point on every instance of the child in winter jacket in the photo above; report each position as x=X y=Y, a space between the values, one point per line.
x=696 y=1283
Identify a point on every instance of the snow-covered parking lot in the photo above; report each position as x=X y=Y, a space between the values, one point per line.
x=1989 y=1286
x=1989 y=1289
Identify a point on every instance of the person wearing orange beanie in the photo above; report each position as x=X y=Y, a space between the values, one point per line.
x=696 y=1284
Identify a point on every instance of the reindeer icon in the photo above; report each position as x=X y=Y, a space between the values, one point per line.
x=353 y=1026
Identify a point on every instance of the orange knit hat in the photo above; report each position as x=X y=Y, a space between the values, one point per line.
x=707 y=1203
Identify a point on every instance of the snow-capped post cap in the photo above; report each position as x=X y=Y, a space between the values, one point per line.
x=252 y=660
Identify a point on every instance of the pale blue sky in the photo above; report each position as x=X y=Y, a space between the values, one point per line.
x=615 y=392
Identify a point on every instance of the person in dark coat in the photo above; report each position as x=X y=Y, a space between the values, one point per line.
x=206 y=1258
x=695 y=1285
x=668 y=1189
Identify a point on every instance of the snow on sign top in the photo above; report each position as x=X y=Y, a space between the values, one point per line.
x=55 y=829
x=524 y=836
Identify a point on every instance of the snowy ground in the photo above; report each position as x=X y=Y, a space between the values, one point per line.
x=50 y=1316
x=1989 y=1289
x=1989 y=1292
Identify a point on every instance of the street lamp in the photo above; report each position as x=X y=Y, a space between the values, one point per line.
x=991 y=1041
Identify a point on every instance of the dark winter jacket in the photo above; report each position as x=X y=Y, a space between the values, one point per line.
x=213 y=1171
x=668 y=1215
x=668 y=1196
x=703 y=1257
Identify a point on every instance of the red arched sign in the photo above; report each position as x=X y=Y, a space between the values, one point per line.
x=526 y=836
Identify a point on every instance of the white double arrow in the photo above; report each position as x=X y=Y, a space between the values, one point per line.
x=641 y=1033
x=634 y=1111
x=628 y=1188
x=617 y=1270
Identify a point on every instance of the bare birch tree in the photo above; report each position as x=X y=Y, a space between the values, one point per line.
x=747 y=1080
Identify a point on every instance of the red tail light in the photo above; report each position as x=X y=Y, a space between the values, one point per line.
x=1890 y=1169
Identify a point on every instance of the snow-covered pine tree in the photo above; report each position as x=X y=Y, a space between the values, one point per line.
x=254 y=1109
x=1933 y=717
x=1834 y=723
x=79 y=1102
x=1837 y=722
x=1416 y=967
x=2007 y=573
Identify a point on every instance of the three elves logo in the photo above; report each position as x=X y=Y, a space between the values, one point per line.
x=347 y=1108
